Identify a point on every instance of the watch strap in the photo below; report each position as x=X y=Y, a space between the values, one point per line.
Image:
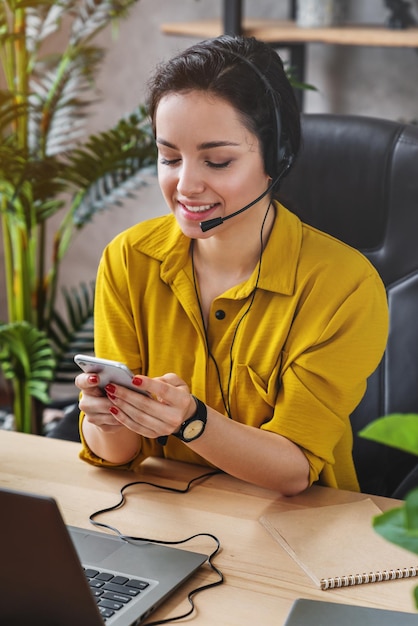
x=200 y=415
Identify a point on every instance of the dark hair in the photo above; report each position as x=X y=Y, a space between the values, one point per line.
x=248 y=74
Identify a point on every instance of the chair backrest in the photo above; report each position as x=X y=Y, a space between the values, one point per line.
x=357 y=178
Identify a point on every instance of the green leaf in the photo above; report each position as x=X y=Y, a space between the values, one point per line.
x=74 y=332
x=94 y=15
x=28 y=361
x=110 y=165
x=411 y=510
x=416 y=596
x=291 y=73
x=59 y=100
x=9 y=109
x=399 y=525
x=398 y=430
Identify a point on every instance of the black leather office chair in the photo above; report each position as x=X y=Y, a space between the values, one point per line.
x=357 y=179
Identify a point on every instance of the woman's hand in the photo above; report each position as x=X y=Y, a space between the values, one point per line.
x=95 y=404
x=159 y=411
x=105 y=435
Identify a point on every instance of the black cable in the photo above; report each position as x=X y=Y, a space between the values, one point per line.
x=231 y=360
x=130 y=538
x=196 y=590
x=227 y=400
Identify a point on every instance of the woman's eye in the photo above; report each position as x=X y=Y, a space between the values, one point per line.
x=169 y=161
x=218 y=166
x=212 y=164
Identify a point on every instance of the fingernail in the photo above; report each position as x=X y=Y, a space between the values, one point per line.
x=114 y=410
x=110 y=389
x=137 y=381
x=93 y=379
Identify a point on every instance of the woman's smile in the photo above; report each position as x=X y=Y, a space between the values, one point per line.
x=197 y=212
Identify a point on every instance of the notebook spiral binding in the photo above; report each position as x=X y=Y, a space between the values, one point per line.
x=372 y=577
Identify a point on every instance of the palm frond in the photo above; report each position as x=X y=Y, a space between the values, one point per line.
x=16 y=194
x=42 y=20
x=94 y=15
x=3 y=19
x=30 y=189
x=74 y=333
x=27 y=360
x=110 y=166
x=11 y=162
x=58 y=109
x=9 y=111
x=46 y=176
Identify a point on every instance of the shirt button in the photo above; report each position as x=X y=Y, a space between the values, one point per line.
x=220 y=315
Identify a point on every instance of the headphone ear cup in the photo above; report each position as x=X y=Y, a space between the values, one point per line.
x=286 y=158
x=283 y=155
x=271 y=157
x=279 y=158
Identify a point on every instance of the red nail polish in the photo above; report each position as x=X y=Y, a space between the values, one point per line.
x=110 y=389
x=137 y=381
x=93 y=379
x=114 y=410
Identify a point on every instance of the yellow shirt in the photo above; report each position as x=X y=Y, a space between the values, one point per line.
x=316 y=330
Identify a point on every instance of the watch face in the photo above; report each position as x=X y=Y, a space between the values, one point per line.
x=193 y=430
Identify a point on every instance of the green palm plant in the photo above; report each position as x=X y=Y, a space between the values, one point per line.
x=46 y=170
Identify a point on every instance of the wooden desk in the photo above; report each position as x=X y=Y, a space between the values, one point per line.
x=261 y=580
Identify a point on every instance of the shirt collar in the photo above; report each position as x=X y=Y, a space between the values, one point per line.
x=281 y=254
x=162 y=239
x=280 y=257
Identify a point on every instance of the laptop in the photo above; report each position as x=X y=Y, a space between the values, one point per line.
x=57 y=575
x=306 y=612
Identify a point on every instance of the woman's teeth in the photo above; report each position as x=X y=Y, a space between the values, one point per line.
x=199 y=209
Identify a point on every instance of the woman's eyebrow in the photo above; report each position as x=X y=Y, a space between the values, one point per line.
x=163 y=142
x=207 y=145
x=216 y=144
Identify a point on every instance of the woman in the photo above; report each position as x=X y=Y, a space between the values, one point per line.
x=273 y=326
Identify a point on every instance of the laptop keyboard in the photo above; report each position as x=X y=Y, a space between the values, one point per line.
x=112 y=593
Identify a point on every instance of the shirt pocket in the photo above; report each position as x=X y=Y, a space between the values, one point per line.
x=253 y=397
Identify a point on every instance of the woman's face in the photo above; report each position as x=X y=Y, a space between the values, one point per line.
x=209 y=165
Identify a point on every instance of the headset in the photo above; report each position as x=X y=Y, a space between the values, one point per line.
x=278 y=159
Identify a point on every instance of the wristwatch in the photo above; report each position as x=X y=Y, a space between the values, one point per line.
x=193 y=427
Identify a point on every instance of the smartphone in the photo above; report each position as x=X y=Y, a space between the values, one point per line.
x=109 y=371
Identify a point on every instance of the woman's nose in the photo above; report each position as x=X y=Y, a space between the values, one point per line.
x=189 y=181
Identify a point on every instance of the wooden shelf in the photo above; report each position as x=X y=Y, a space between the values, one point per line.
x=287 y=32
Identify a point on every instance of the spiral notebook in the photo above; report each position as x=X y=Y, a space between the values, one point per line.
x=337 y=545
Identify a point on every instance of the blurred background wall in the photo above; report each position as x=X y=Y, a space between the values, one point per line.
x=380 y=82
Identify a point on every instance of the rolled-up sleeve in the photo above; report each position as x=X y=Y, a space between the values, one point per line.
x=323 y=380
